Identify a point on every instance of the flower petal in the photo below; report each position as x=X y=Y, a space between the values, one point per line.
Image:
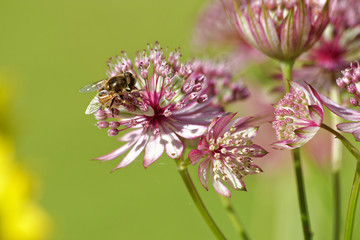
x=203 y=172
x=154 y=149
x=232 y=180
x=134 y=152
x=350 y=127
x=343 y=112
x=220 y=188
x=130 y=136
x=316 y=113
x=123 y=149
x=196 y=155
x=173 y=146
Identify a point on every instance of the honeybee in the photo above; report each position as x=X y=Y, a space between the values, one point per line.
x=109 y=91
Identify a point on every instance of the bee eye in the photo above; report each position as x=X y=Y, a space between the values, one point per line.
x=103 y=93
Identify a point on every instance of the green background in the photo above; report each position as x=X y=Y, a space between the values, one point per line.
x=50 y=49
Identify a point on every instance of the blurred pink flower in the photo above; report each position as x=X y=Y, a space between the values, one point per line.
x=298 y=117
x=227 y=147
x=213 y=29
x=281 y=29
x=175 y=101
x=337 y=47
x=350 y=82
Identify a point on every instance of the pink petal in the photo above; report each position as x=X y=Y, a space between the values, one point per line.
x=134 y=152
x=187 y=130
x=203 y=172
x=233 y=181
x=196 y=155
x=306 y=132
x=270 y=30
x=154 y=150
x=345 y=113
x=123 y=149
x=219 y=187
x=350 y=127
x=285 y=144
x=130 y=136
x=220 y=125
x=173 y=146
x=287 y=37
x=316 y=99
x=316 y=113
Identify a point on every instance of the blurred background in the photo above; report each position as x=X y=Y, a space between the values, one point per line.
x=49 y=50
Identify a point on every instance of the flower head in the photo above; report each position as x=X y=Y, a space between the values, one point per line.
x=281 y=29
x=298 y=117
x=349 y=81
x=171 y=102
x=227 y=147
x=336 y=48
x=219 y=82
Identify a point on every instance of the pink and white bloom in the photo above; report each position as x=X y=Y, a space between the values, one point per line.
x=281 y=29
x=298 y=117
x=228 y=148
x=349 y=81
x=173 y=103
x=337 y=47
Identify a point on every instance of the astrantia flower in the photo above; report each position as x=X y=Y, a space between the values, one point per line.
x=298 y=117
x=336 y=48
x=281 y=29
x=219 y=82
x=350 y=82
x=227 y=147
x=171 y=103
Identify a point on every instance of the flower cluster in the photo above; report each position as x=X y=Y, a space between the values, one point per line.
x=298 y=117
x=281 y=29
x=336 y=48
x=349 y=81
x=227 y=147
x=171 y=101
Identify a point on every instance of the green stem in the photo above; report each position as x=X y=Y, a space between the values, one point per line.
x=182 y=169
x=305 y=218
x=349 y=223
x=353 y=150
x=234 y=218
x=286 y=68
x=336 y=152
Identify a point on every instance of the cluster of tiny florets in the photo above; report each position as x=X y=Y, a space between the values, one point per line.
x=350 y=82
x=232 y=150
x=288 y=112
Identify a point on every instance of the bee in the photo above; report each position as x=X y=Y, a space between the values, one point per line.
x=109 y=91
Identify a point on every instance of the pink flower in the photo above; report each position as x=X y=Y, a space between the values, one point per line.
x=227 y=147
x=350 y=82
x=298 y=117
x=336 y=48
x=281 y=29
x=170 y=103
x=219 y=82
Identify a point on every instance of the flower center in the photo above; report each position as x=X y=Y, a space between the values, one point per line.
x=290 y=114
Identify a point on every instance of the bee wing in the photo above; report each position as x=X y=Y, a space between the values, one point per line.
x=92 y=86
x=93 y=106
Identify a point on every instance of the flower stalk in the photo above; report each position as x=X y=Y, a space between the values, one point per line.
x=182 y=169
x=286 y=67
x=305 y=218
x=336 y=152
x=234 y=218
x=349 y=223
